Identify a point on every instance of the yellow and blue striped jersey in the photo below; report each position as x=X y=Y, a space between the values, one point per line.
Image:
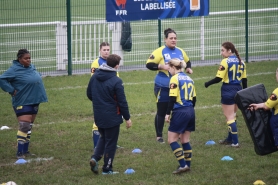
x=230 y=71
x=182 y=87
x=162 y=55
x=272 y=101
x=96 y=63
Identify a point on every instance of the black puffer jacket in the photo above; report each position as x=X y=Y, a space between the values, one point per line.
x=106 y=91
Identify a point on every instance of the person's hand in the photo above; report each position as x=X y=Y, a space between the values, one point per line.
x=167 y=118
x=15 y=91
x=254 y=106
x=128 y=123
x=206 y=84
x=189 y=70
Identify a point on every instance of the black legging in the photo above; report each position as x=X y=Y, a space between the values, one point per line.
x=160 y=117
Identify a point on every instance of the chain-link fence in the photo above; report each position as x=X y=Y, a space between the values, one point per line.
x=41 y=27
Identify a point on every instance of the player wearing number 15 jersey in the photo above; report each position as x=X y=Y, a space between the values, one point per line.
x=232 y=72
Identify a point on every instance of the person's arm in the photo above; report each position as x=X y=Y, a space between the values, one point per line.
x=244 y=83
x=171 y=103
x=213 y=81
x=94 y=66
x=256 y=106
x=154 y=67
x=89 y=91
x=5 y=80
x=188 y=63
x=188 y=68
x=194 y=101
x=121 y=100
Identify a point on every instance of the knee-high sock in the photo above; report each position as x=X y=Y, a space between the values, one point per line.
x=233 y=129
x=95 y=137
x=187 y=150
x=229 y=138
x=21 y=139
x=177 y=150
x=26 y=144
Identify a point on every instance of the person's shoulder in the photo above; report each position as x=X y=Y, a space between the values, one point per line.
x=224 y=61
x=178 y=48
x=158 y=50
x=276 y=91
x=95 y=61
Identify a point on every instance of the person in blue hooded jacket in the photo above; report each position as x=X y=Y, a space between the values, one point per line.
x=26 y=87
x=106 y=91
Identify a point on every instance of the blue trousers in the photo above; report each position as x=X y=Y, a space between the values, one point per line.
x=106 y=146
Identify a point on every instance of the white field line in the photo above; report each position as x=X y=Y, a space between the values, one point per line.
x=30 y=160
x=131 y=115
x=140 y=83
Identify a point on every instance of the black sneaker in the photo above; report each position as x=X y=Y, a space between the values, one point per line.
x=28 y=154
x=225 y=142
x=160 y=140
x=19 y=155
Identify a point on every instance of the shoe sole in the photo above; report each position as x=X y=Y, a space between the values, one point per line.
x=224 y=143
x=20 y=157
x=93 y=164
x=187 y=169
x=235 y=146
x=113 y=173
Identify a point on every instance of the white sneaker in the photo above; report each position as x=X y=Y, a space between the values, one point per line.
x=235 y=145
x=181 y=170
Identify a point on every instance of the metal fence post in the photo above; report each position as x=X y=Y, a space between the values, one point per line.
x=69 y=37
x=246 y=30
x=159 y=32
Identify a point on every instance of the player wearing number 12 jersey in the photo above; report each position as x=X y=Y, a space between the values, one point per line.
x=182 y=101
x=232 y=72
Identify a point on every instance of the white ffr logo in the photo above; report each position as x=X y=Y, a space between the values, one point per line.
x=121 y=12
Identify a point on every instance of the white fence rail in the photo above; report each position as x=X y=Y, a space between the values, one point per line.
x=86 y=38
x=200 y=37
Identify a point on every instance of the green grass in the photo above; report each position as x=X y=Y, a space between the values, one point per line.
x=63 y=126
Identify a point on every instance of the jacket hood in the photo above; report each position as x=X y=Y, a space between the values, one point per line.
x=105 y=72
x=17 y=63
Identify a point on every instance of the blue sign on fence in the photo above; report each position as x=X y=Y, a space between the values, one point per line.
x=131 y=10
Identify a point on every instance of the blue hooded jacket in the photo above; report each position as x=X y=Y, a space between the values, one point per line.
x=106 y=91
x=26 y=81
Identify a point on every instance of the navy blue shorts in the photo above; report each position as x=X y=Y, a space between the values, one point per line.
x=183 y=119
x=274 y=126
x=26 y=110
x=228 y=92
x=161 y=93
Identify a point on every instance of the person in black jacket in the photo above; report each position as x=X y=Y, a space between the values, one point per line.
x=106 y=92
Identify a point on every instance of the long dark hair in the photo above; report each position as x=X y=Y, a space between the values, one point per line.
x=230 y=46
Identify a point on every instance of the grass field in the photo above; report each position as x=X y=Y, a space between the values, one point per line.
x=62 y=134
